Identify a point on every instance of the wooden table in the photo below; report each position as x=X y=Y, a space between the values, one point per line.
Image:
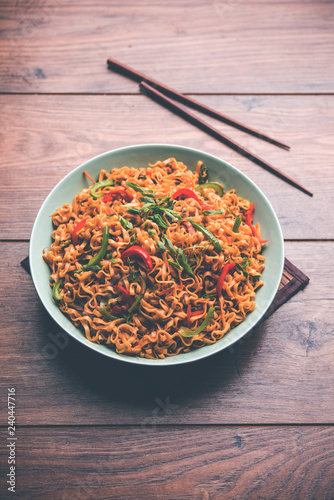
x=254 y=422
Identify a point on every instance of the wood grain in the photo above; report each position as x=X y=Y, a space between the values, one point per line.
x=282 y=373
x=45 y=137
x=176 y=463
x=226 y=46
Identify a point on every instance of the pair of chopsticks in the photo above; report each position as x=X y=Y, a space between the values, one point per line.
x=166 y=96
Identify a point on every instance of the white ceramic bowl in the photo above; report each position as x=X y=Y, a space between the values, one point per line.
x=140 y=156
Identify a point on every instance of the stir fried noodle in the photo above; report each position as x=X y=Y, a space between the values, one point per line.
x=155 y=261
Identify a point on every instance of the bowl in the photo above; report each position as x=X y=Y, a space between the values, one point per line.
x=140 y=156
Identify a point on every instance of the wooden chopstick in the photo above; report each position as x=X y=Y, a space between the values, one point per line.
x=190 y=117
x=139 y=77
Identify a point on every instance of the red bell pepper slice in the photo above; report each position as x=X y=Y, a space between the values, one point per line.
x=167 y=290
x=196 y=313
x=125 y=293
x=188 y=193
x=137 y=251
x=117 y=193
x=191 y=230
x=191 y=313
x=76 y=229
x=118 y=310
x=249 y=220
x=226 y=269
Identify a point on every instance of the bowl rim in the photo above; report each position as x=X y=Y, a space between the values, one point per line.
x=197 y=354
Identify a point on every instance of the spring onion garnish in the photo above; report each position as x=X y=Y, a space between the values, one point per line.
x=207 y=234
x=87 y=267
x=125 y=223
x=178 y=256
x=244 y=263
x=161 y=246
x=213 y=212
x=145 y=192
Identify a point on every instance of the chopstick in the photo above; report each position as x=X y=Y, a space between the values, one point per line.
x=198 y=122
x=168 y=91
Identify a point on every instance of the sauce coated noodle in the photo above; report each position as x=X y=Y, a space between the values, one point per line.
x=172 y=298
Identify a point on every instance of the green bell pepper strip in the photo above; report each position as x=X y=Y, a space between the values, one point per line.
x=92 y=264
x=203 y=175
x=99 y=256
x=108 y=315
x=99 y=185
x=66 y=243
x=186 y=332
x=236 y=224
x=207 y=234
x=55 y=290
x=212 y=185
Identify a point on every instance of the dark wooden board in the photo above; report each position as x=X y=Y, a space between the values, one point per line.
x=45 y=137
x=282 y=373
x=234 y=46
x=195 y=463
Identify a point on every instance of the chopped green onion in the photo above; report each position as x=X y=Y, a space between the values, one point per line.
x=136 y=303
x=125 y=223
x=172 y=214
x=145 y=192
x=159 y=221
x=151 y=233
x=213 y=212
x=176 y=253
x=174 y=264
x=161 y=246
x=87 y=267
x=145 y=199
x=134 y=211
x=208 y=295
x=169 y=245
x=244 y=272
x=208 y=235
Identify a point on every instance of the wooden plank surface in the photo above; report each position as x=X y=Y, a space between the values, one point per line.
x=229 y=46
x=282 y=373
x=45 y=137
x=176 y=463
